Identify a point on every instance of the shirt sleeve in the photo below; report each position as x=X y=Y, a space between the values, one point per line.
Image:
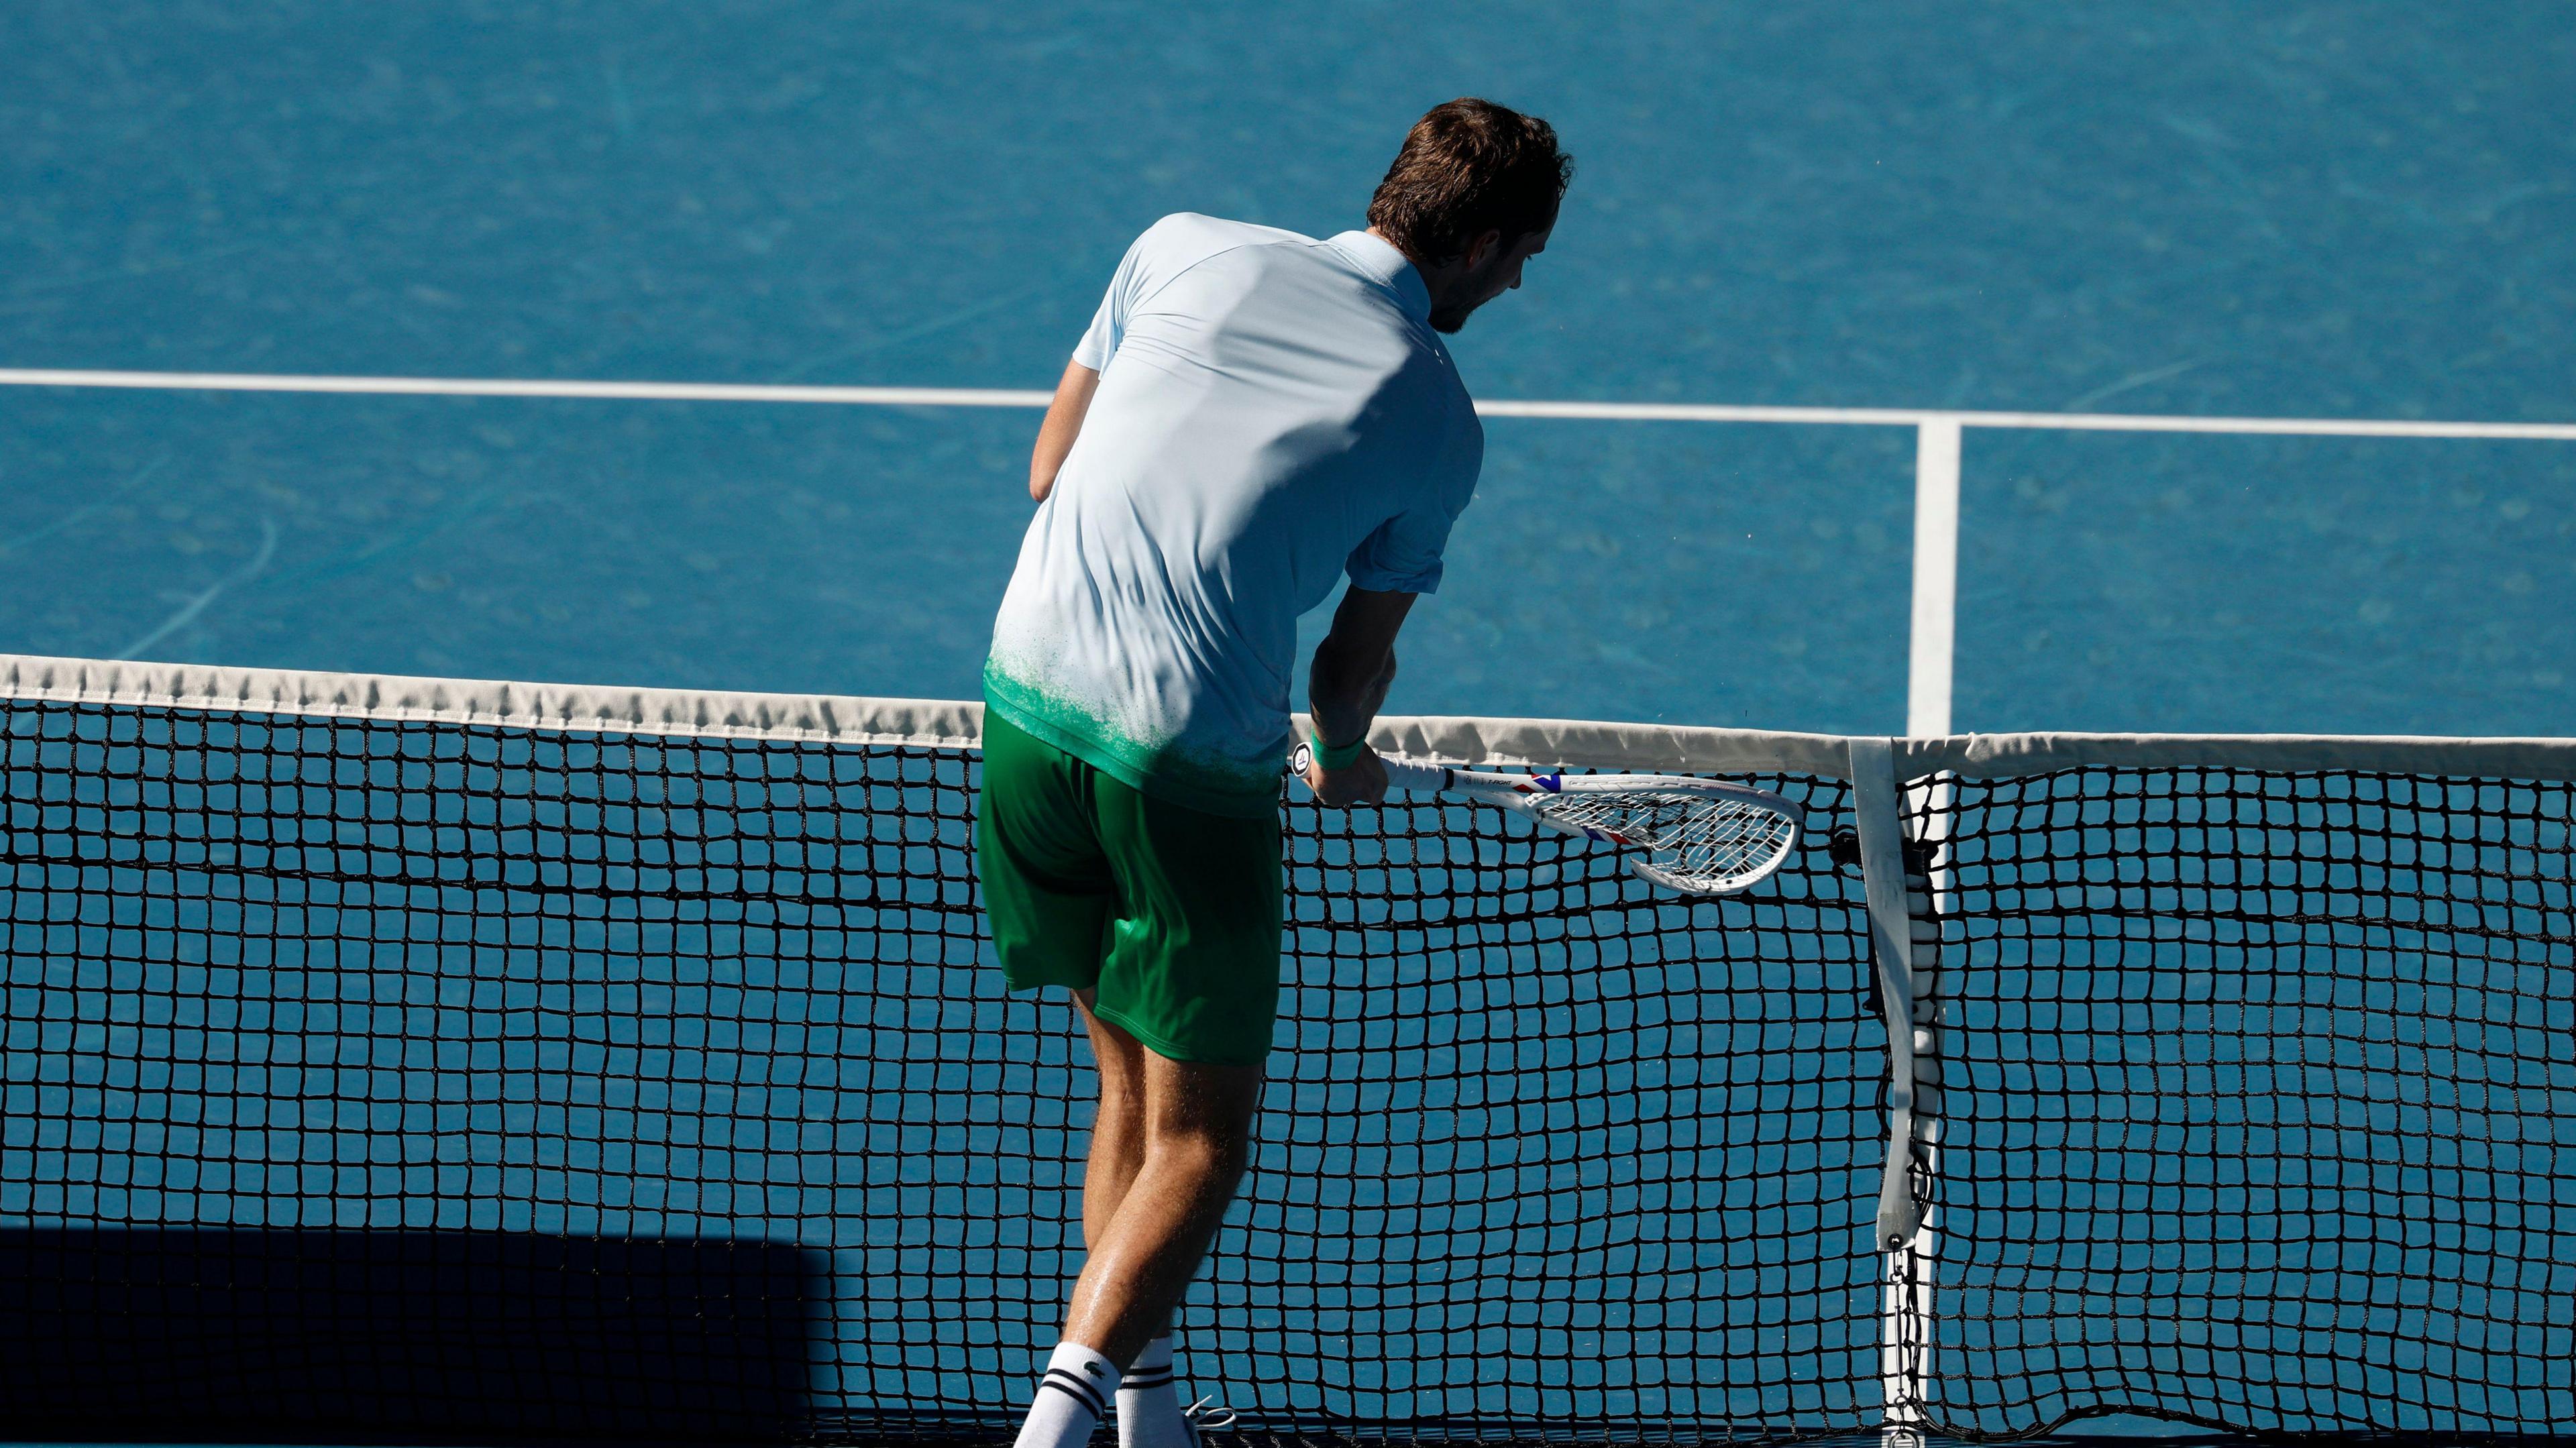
x=1100 y=339
x=1403 y=554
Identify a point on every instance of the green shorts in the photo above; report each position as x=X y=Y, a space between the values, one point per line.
x=1170 y=913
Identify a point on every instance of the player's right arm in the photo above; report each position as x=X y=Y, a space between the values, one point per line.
x=1346 y=686
x=1063 y=424
x=1099 y=342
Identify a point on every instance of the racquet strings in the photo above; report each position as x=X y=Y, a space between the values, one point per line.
x=1700 y=841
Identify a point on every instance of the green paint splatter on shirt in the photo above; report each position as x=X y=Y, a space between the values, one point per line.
x=1164 y=769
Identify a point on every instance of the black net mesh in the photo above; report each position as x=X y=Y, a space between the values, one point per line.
x=376 y=1079
x=2256 y=1102
x=381 y=1079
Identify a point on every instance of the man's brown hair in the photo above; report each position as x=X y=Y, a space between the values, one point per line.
x=1470 y=167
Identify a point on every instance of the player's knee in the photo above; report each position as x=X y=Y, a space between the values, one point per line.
x=1122 y=1109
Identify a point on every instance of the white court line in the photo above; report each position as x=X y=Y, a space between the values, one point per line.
x=519 y=387
x=1936 y=580
x=988 y=397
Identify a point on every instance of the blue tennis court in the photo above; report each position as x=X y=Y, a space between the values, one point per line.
x=2337 y=212
x=2352 y=214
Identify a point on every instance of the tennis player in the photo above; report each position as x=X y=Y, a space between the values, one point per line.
x=1252 y=414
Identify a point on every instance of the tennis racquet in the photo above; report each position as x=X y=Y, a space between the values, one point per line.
x=1698 y=836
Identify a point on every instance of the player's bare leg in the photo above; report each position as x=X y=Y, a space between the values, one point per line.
x=1118 y=1131
x=1165 y=1201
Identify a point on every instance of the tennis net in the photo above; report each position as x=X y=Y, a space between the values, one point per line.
x=398 y=1058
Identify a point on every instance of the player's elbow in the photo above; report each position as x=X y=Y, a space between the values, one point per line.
x=1341 y=673
x=1378 y=677
x=1325 y=676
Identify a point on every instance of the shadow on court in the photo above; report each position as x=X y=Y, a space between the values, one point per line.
x=206 y=1334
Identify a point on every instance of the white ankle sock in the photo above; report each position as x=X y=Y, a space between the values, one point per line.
x=1149 y=1401
x=1072 y=1396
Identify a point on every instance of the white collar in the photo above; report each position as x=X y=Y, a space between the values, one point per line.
x=1379 y=258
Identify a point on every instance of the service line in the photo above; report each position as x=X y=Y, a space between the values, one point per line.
x=994 y=397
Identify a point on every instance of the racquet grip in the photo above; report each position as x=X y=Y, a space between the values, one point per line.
x=1400 y=773
x=1407 y=774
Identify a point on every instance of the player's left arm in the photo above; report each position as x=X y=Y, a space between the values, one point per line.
x=1396 y=563
x=1346 y=686
x=1063 y=424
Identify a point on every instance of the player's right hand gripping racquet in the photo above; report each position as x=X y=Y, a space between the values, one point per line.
x=1698 y=836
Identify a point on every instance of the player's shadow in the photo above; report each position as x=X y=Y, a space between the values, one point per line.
x=276 y=1334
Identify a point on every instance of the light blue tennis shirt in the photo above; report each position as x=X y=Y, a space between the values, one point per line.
x=1274 y=411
